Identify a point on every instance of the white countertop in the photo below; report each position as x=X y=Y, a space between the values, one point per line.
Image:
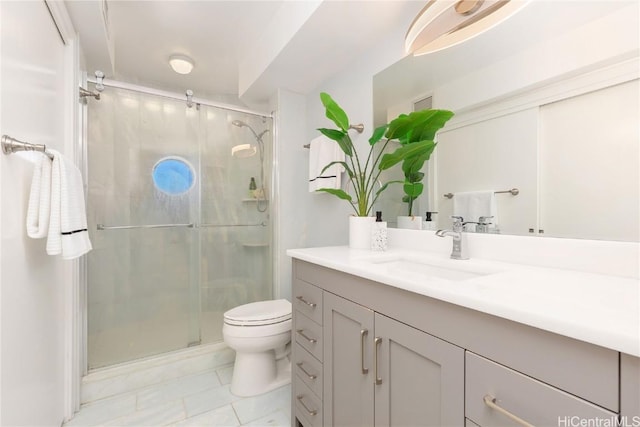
x=596 y=308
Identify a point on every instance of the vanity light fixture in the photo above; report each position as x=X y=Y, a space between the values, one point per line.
x=445 y=23
x=181 y=64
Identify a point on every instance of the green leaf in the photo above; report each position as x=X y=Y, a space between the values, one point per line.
x=417 y=126
x=342 y=138
x=413 y=189
x=378 y=134
x=405 y=151
x=336 y=192
x=414 y=177
x=413 y=164
x=334 y=112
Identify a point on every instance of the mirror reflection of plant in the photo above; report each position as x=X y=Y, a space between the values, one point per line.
x=407 y=129
x=419 y=128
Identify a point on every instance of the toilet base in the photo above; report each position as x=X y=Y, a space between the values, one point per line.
x=258 y=373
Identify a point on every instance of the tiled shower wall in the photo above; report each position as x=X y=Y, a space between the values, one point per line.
x=153 y=290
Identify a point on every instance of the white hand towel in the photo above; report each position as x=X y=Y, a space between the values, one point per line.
x=68 y=233
x=474 y=204
x=39 y=208
x=323 y=151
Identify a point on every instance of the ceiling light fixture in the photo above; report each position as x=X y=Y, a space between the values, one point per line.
x=445 y=23
x=181 y=64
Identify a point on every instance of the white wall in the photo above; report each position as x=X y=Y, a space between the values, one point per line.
x=33 y=286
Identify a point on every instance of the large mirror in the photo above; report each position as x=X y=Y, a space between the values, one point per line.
x=546 y=103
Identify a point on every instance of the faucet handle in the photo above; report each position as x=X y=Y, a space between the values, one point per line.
x=483 y=220
x=458 y=223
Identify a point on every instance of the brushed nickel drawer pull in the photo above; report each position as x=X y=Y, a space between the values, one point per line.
x=363 y=335
x=310 y=304
x=311 y=376
x=302 y=334
x=377 y=341
x=490 y=401
x=311 y=412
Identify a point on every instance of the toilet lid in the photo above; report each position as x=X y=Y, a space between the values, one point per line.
x=259 y=313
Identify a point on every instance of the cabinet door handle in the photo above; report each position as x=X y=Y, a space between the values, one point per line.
x=310 y=304
x=302 y=334
x=311 y=412
x=377 y=341
x=490 y=401
x=310 y=376
x=363 y=335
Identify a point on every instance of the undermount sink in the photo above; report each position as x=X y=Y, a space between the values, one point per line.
x=426 y=268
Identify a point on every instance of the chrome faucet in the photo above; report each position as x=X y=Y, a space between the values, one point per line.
x=459 y=250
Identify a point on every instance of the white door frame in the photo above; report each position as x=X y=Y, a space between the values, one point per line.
x=73 y=367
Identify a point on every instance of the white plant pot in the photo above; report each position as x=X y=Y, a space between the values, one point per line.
x=410 y=222
x=360 y=232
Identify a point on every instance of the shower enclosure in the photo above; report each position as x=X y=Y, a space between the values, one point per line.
x=178 y=236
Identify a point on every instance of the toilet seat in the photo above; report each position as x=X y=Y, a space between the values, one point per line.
x=260 y=313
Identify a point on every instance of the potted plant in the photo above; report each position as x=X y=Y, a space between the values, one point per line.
x=430 y=121
x=363 y=177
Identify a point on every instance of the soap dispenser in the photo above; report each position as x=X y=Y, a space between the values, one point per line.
x=429 y=223
x=379 y=234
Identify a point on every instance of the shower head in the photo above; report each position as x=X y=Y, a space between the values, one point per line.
x=240 y=124
x=243 y=150
x=247 y=150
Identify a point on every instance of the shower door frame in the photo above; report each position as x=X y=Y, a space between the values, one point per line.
x=82 y=156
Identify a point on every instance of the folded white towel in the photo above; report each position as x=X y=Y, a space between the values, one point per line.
x=68 y=233
x=474 y=204
x=39 y=208
x=323 y=151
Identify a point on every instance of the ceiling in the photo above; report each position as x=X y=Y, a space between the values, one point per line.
x=243 y=49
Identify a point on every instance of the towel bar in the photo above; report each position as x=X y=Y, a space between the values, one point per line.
x=127 y=227
x=191 y=225
x=513 y=191
x=261 y=224
x=11 y=145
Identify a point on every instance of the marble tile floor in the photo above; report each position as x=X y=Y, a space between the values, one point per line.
x=200 y=399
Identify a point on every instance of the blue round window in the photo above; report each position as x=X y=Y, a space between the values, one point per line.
x=173 y=175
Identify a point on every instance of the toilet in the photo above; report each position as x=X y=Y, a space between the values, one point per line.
x=260 y=333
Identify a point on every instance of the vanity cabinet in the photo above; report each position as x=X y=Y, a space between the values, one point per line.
x=630 y=389
x=499 y=396
x=388 y=356
x=378 y=371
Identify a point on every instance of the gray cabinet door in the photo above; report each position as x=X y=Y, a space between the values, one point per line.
x=420 y=378
x=348 y=379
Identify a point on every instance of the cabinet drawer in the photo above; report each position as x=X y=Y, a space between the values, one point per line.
x=530 y=400
x=307 y=299
x=308 y=406
x=309 y=370
x=308 y=334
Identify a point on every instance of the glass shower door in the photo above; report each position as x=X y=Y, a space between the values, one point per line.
x=143 y=279
x=178 y=236
x=235 y=225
